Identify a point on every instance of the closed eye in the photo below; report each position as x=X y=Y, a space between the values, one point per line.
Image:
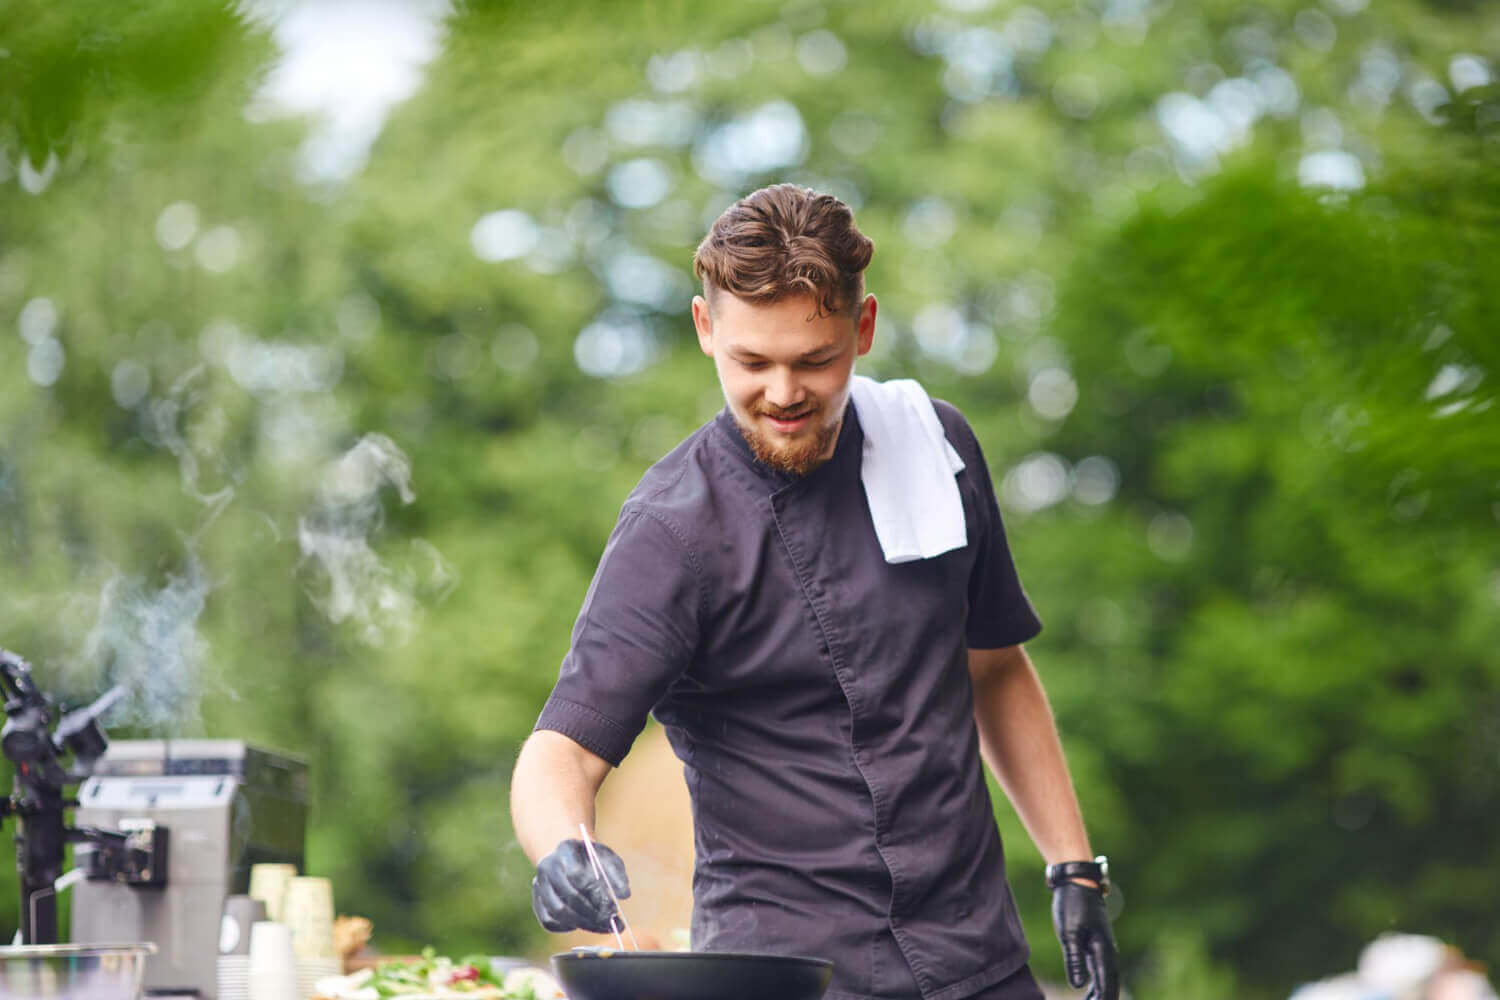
x=755 y=366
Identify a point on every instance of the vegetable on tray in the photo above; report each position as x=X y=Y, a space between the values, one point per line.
x=437 y=977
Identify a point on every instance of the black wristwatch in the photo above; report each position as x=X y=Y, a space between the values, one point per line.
x=1065 y=871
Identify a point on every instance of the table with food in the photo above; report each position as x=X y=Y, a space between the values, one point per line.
x=438 y=977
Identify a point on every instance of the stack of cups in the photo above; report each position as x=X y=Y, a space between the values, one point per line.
x=273 y=971
x=240 y=913
x=307 y=910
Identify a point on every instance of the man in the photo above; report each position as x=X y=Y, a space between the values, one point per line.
x=831 y=707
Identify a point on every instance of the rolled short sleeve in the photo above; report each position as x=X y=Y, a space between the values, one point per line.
x=634 y=636
x=1000 y=613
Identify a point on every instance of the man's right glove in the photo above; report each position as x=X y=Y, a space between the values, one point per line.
x=566 y=894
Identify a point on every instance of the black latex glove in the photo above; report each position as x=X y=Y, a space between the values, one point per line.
x=566 y=894
x=1088 y=946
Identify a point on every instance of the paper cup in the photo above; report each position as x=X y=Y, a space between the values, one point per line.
x=307 y=909
x=268 y=884
x=273 y=966
x=272 y=984
x=271 y=946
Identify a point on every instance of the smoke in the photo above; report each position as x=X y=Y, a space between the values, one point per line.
x=144 y=633
x=145 y=636
x=147 y=639
x=351 y=583
x=163 y=425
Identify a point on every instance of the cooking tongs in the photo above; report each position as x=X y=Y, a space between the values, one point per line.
x=617 y=921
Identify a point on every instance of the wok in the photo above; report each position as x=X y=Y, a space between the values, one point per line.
x=591 y=974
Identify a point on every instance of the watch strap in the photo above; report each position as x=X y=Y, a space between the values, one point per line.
x=1096 y=870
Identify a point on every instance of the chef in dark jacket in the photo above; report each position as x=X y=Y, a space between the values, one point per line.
x=831 y=706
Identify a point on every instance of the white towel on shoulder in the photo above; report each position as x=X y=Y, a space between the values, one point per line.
x=908 y=471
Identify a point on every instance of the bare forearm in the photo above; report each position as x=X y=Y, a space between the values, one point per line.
x=1019 y=742
x=552 y=791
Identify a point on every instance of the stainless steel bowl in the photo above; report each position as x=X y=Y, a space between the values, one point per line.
x=73 y=971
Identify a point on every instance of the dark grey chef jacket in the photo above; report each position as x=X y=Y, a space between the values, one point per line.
x=819 y=699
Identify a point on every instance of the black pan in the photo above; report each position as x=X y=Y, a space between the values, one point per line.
x=599 y=974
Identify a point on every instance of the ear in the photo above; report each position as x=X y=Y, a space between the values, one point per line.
x=703 y=321
x=865 y=325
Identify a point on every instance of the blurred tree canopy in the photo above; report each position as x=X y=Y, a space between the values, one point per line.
x=314 y=436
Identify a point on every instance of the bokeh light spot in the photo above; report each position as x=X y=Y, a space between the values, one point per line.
x=177 y=225
x=617 y=343
x=640 y=122
x=639 y=183
x=732 y=58
x=771 y=137
x=1428 y=97
x=585 y=151
x=128 y=383
x=218 y=249
x=821 y=53
x=1076 y=95
x=503 y=235
x=1454 y=378
x=636 y=277
x=1466 y=72
x=38 y=320
x=929 y=223
x=1038 y=481
x=1029 y=30
x=674 y=72
x=1052 y=393
x=1315 y=29
x=1170 y=536
x=35 y=180
x=217 y=340
x=1335 y=170
x=44 y=362
x=515 y=348
x=1096 y=479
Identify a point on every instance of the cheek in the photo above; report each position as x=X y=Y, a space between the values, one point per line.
x=738 y=388
x=831 y=384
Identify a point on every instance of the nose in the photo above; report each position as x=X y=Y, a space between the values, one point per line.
x=782 y=389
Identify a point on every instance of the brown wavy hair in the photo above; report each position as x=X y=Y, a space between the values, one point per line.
x=785 y=241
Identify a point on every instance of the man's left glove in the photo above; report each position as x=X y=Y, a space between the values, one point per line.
x=1088 y=946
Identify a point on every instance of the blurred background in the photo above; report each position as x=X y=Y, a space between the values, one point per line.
x=335 y=333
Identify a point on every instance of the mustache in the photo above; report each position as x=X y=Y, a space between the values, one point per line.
x=776 y=412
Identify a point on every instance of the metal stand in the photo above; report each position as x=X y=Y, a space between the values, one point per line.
x=38 y=803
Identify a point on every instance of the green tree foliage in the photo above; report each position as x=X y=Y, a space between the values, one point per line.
x=1310 y=682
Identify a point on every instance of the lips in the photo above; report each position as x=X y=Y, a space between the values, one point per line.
x=789 y=425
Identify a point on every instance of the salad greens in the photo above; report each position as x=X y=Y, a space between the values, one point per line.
x=438 y=974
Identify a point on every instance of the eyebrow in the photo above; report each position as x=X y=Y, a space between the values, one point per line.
x=745 y=354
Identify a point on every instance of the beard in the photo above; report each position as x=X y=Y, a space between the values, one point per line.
x=797 y=455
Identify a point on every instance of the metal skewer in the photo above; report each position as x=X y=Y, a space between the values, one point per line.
x=617 y=921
